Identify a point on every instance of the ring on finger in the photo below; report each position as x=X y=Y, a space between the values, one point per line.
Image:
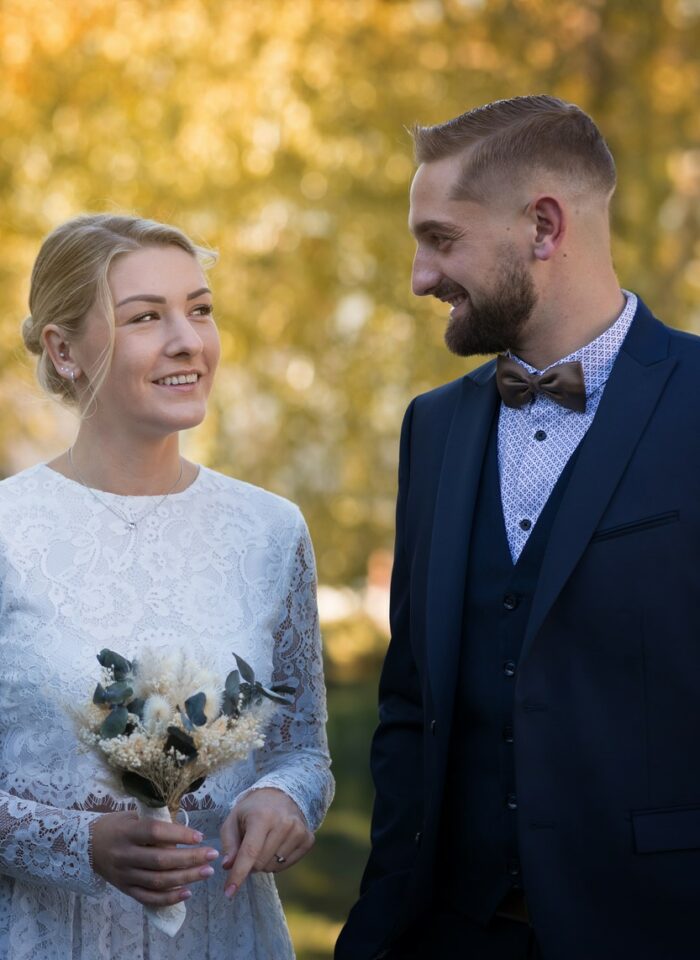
x=279 y=859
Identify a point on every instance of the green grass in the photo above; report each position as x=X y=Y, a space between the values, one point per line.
x=319 y=891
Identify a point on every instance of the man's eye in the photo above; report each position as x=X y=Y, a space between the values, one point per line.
x=203 y=310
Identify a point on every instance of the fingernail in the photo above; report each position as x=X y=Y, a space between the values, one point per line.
x=206 y=872
x=198 y=837
x=212 y=854
x=230 y=890
x=186 y=894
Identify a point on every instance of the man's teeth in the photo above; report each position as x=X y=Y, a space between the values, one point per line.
x=173 y=381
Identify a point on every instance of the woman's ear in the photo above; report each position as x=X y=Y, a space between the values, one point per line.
x=549 y=221
x=59 y=351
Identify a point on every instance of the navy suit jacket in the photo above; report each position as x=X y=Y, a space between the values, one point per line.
x=607 y=693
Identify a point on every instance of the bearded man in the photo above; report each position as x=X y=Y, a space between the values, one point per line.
x=536 y=763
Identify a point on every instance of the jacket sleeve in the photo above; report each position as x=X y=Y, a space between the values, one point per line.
x=397 y=747
x=396 y=763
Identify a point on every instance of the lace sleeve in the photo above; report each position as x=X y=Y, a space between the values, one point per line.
x=43 y=844
x=295 y=757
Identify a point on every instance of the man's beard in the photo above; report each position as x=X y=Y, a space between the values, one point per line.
x=495 y=324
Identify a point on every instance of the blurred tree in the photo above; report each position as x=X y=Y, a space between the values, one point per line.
x=274 y=130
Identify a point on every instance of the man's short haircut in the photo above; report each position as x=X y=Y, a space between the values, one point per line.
x=504 y=140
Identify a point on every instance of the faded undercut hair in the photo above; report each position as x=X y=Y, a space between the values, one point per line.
x=70 y=276
x=505 y=140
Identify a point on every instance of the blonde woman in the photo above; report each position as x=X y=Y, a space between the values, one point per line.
x=120 y=542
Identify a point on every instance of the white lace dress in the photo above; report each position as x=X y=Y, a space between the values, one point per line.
x=222 y=566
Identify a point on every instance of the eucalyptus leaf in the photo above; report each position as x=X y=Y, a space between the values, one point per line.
x=247 y=671
x=120 y=665
x=114 y=724
x=141 y=788
x=118 y=692
x=282 y=688
x=229 y=706
x=233 y=684
x=99 y=696
x=136 y=706
x=194 y=706
x=182 y=742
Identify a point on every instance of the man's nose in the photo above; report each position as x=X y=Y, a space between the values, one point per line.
x=425 y=277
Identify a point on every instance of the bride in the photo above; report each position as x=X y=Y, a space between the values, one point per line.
x=120 y=542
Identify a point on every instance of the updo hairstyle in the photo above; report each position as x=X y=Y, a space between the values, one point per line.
x=70 y=277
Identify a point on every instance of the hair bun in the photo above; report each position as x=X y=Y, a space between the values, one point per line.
x=31 y=336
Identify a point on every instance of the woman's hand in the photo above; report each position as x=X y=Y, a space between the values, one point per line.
x=264 y=832
x=140 y=857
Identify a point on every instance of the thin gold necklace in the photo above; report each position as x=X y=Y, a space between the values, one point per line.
x=131 y=524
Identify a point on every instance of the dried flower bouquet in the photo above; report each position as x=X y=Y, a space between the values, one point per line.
x=163 y=723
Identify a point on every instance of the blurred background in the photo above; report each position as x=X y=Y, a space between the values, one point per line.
x=275 y=131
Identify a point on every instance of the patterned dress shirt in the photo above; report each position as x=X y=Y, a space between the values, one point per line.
x=536 y=441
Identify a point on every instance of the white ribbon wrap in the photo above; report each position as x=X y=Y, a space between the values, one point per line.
x=167 y=919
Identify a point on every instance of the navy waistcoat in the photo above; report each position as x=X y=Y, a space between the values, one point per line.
x=478 y=859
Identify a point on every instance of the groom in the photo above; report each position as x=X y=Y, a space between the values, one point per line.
x=537 y=761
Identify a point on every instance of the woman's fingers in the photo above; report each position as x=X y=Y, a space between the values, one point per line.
x=151 y=898
x=268 y=847
x=289 y=852
x=162 y=881
x=252 y=854
x=168 y=858
x=230 y=839
x=142 y=857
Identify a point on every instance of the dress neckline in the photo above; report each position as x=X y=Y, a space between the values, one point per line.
x=75 y=484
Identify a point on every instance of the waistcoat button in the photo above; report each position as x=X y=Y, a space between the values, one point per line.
x=509 y=668
x=510 y=601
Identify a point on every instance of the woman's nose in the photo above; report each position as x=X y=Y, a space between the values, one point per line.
x=183 y=337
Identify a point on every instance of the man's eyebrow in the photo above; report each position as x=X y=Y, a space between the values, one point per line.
x=152 y=298
x=433 y=226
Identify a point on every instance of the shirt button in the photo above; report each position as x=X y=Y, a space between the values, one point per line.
x=509 y=668
x=511 y=802
x=508 y=734
x=510 y=601
x=525 y=524
x=540 y=435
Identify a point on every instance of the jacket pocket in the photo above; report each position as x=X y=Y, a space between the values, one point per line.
x=673 y=828
x=647 y=523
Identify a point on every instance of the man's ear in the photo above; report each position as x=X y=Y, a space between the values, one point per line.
x=549 y=221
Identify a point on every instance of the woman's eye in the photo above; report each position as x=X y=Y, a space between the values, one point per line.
x=203 y=310
x=144 y=316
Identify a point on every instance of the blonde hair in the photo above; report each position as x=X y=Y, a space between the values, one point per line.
x=70 y=276
x=507 y=138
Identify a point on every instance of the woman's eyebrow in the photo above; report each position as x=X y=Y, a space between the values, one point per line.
x=152 y=298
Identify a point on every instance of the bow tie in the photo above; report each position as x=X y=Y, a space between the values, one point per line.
x=564 y=384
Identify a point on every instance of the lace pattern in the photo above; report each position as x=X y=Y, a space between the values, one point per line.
x=222 y=566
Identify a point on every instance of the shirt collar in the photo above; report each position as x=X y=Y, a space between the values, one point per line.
x=598 y=356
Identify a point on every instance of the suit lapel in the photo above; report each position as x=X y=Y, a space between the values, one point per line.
x=631 y=395
x=454 y=508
